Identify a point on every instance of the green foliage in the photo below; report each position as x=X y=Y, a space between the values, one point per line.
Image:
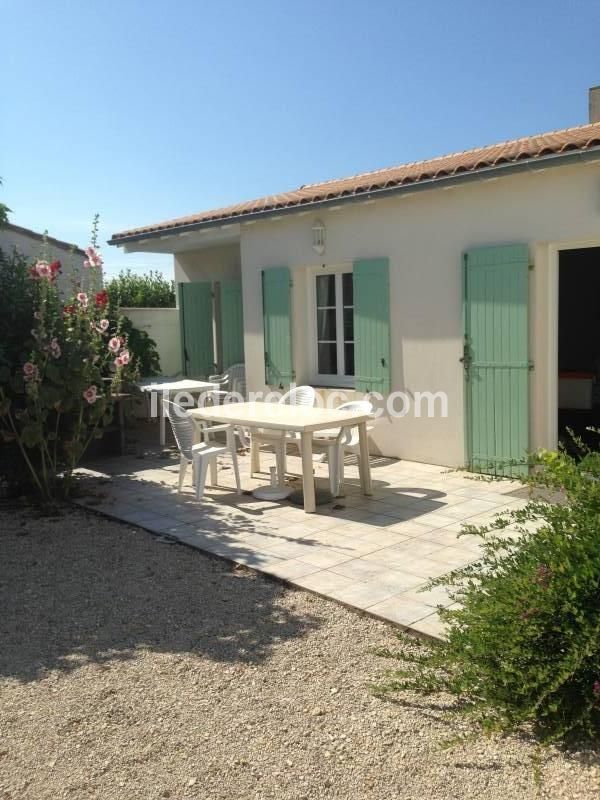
x=523 y=646
x=4 y=211
x=139 y=342
x=152 y=290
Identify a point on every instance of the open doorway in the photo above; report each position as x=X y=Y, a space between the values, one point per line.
x=579 y=345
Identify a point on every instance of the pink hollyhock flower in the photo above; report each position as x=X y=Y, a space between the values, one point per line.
x=94 y=259
x=54 y=269
x=104 y=323
x=124 y=356
x=90 y=394
x=118 y=362
x=114 y=344
x=41 y=270
x=82 y=299
x=54 y=348
x=30 y=371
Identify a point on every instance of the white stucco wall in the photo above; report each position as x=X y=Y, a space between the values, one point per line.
x=32 y=248
x=424 y=236
x=162 y=325
x=208 y=264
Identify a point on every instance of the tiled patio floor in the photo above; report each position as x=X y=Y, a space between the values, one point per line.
x=370 y=553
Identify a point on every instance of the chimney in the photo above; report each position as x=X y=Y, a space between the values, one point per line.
x=595 y=104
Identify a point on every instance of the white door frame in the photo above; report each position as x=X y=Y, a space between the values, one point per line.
x=553 y=300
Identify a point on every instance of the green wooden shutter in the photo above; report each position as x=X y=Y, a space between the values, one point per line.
x=371 y=282
x=196 y=320
x=277 y=326
x=497 y=358
x=232 y=323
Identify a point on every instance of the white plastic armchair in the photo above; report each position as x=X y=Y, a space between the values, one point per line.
x=298 y=396
x=335 y=443
x=230 y=380
x=201 y=454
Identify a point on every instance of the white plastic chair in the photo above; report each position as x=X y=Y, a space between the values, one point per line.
x=232 y=380
x=334 y=444
x=298 y=396
x=202 y=454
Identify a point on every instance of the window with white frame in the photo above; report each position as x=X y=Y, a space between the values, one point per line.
x=334 y=303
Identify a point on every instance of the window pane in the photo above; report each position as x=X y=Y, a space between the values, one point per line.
x=327 y=358
x=326 y=323
x=349 y=358
x=347 y=289
x=325 y=290
x=349 y=324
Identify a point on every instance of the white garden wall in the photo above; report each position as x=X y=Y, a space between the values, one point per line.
x=162 y=325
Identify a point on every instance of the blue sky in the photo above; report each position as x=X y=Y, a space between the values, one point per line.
x=144 y=111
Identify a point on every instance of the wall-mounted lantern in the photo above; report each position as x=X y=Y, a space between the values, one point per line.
x=318 y=237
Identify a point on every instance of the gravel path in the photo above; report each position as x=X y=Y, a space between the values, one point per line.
x=135 y=669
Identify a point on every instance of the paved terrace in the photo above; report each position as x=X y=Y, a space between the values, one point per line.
x=373 y=554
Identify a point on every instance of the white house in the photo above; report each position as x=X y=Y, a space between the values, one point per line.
x=34 y=245
x=475 y=274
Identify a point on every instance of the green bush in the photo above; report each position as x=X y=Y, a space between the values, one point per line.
x=152 y=290
x=523 y=646
x=139 y=342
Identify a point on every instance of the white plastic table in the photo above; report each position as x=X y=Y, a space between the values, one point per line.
x=300 y=419
x=171 y=387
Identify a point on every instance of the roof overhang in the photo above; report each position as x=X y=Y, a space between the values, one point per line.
x=225 y=229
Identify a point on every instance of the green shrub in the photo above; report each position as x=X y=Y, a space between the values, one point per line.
x=152 y=290
x=139 y=342
x=524 y=644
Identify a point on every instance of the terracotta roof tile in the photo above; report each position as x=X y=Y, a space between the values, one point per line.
x=552 y=143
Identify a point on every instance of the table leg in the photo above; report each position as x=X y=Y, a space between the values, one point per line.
x=364 y=465
x=163 y=426
x=122 y=426
x=308 y=481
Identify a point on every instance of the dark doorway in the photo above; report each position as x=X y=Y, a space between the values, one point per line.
x=579 y=345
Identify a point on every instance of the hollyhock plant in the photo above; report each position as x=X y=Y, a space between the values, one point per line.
x=56 y=397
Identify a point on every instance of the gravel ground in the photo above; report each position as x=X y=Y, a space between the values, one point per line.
x=130 y=668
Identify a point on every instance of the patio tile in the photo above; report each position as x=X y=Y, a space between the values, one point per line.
x=142 y=517
x=411 y=529
x=397 y=579
x=430 y=626
x=362 y=595
x=290 y=549
x=435 y=519
x=359 y=569
x=416 y=548
x=451 y=557
x=438 y=596
x=400 y=609
x=290 y=569
x=324 y=582
x=324 y=557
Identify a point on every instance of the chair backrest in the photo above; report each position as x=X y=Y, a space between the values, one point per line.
x=365 y=407
x=299 y=396
x=237 y=378
x=183 y=427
